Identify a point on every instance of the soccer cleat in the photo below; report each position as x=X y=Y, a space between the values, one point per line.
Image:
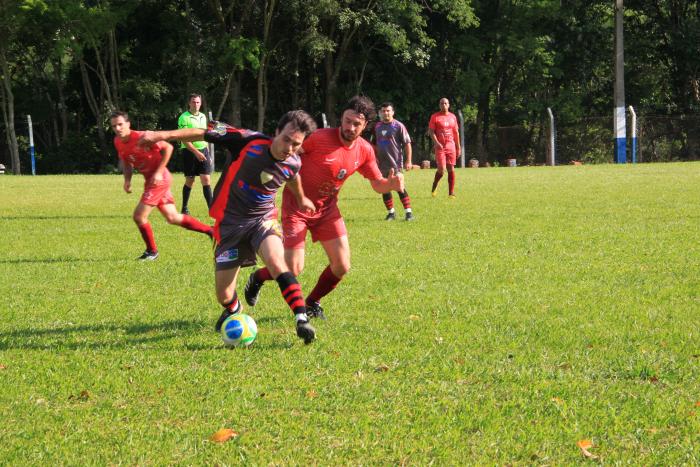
x=225 y=314
x=252 y=290
x=185 y=211
x=148 y=256
x=314 y=310
x=452 y=196
x=434 y=194
x=390 y=216
x=306 y=331
x=409 y=216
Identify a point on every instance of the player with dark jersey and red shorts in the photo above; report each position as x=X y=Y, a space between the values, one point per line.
x=151 y=162
x=244 y=210
x=444 y=131
x=329 y=157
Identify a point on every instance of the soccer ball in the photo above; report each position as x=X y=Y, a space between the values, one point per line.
x=239 y=330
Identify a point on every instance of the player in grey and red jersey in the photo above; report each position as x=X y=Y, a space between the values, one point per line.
x=244 y=205
x=391 y=144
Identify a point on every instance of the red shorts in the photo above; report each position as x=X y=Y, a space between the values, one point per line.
x=160 y=194
x=325 y=225
x=446 y=155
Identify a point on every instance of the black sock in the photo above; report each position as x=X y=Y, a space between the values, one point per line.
x=185 y=196
x=291 y=291
x=206 y=189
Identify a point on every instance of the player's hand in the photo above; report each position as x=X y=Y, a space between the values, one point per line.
x=307 y=205
x=439 y=146
x=408 y=166
x=127 y=187
x=396 y=180
x=200 y=156
x=157 y=178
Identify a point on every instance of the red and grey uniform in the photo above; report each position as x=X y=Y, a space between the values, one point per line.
x=244 y=198
x=146 y=160
x=446 y=131
x=390 y=139
x=327 y=163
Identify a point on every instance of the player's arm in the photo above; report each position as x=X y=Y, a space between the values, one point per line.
x=394 y=182
x=182 y=134
x=433 y=136
x=197 y=153
x=166 y=150
x=408 y=155
x=458 y=142
x=297 y=190
x=128 y=172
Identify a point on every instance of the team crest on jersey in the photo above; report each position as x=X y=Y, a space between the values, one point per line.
x=384 y=132
x=227 y=256
x=342 y=173
x=265 y=177
x=220 y=129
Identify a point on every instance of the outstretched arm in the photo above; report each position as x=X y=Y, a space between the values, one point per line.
x=183 y=134
x=394 y=182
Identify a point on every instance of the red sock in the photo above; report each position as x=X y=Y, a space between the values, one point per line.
x=326 y=283
x=190 y=223
x=291 y=291
x=436 y=180
x=234 y=306
x=262 y=275
x=147 y=235
x=451 y=181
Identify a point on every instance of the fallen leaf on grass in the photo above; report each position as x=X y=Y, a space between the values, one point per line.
x=83 y=396
x=557 y=400
x=654 y=379
x=311 y=394
x=359 y=374
x=223 y=435
x=414 y=317
x=585 y=445
x=2 y=367
x=382 y=368
x=697 y=404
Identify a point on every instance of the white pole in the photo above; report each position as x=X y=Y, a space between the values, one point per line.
x=551 y=156
x=211 y=146
x=634 y=134
x=31 y=143
x=620 y=130
x=325 y=122
x=461 y=137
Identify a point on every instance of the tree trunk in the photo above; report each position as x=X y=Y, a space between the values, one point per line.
x=8 y=113
x=94 y=106
x=235 y=115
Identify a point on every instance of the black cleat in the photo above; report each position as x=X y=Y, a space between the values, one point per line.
x=225 y=314
x=409 y=216
x=314 y=310
x=148 y=256
x=252 y=290
x=390 y=217
x=185 y=211
x=306 y=331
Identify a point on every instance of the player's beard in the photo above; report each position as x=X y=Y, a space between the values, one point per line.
x=348 y=136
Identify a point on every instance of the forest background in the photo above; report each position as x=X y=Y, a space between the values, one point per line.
x=502 y=63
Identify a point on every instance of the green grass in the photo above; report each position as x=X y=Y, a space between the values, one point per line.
x=541 y=307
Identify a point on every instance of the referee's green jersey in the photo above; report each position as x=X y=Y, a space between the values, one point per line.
x=188 y=120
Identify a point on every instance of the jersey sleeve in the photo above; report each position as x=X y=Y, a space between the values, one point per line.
x=230 y=137
x=369 y=168
x=182 y=121
x=404 y=134
x=432 y=124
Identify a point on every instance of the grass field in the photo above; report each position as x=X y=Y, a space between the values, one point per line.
x=541 y=308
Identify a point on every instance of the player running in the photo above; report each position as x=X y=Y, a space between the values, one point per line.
x=392 y=143
x=444 y=131
x=151 y=162
x=244 y=206
x=329 y=157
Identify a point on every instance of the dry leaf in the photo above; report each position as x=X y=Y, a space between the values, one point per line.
x=697 y=404
x=311 y=394
x=654 y=379
x=585 y=445
x=2 y=367
x=381 y=368
x=223 y=435
x=359 y=374
x=557 y=400
x=414 y=317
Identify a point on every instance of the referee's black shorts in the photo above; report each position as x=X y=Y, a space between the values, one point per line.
x=193 y=166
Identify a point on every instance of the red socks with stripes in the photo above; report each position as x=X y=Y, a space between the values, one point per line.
x=291 y=291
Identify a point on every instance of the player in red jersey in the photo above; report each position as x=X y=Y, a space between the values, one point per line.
x=444 y=131
x=151 y=162
x=329 y=157
x=244 y=206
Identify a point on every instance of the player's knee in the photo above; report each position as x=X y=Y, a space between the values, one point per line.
x=173 y=218
x=340 y=269
x=139 y=218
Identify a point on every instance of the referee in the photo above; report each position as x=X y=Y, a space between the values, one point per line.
x=195 y=155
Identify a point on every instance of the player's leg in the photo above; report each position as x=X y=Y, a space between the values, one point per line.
x=451 y=179
x=140 y=217
x=205 y=176
x=338 y=253
x=225 y=283
x=184 y=220
x=272 y=253
x=440 y=161
x=389 y=204
x=406 y=202
x=188 y=161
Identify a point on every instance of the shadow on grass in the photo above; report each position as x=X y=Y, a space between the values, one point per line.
x=114 y=336
x=50 y=218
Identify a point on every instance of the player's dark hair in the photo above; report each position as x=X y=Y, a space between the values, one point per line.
x=193 y=95
x=300 y=121
x=387 y=104
x=119 y=113
x=362 y=105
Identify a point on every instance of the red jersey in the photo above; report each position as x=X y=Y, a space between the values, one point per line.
x=325 y=165
x=445 y=127
x=144 y=159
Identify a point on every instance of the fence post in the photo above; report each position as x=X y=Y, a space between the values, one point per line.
x=211 y=148
x=325 y=122
x=461 y=137
x=551 y=156
x=634 y=134
x=31 y=143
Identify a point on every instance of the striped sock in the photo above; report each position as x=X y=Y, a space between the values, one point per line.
x=291 y=291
